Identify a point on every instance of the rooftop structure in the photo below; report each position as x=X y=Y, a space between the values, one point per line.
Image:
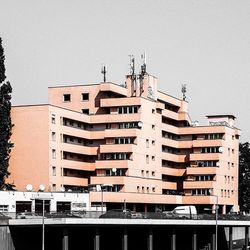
x=129 y=145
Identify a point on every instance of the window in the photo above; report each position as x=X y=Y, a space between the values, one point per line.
x=153 y=173
x=54 y=171
x=142 y=172
x=53 y=119
x=153 y=127
x=85 y=96
x=153 y=158
x=147 y=143
x=53 y=187
x=85 y=111
x=66 y=97
x=147 y=159
x=53 y=135
x=153 y=111
x=153 y=142
x=4 y=208
x=153 y=189
x=128 y=110
x=232 y=151
x=53 y=153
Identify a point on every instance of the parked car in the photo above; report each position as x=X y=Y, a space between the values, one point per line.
x=189 y=212
x=117 y=213
x=28 y=215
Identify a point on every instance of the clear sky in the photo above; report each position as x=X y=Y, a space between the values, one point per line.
x=204 y=44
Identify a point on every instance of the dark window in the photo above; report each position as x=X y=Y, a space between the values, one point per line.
x=85 y=111
x=85 y=96
x=66 y=97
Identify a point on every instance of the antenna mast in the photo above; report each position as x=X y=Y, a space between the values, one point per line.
x=104 y=71
x=133 y=75
x=184 y=91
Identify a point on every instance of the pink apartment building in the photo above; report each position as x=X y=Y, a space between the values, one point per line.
x=135 y=143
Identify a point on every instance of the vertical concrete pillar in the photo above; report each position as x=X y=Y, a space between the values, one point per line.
x=150 y=239
x=97 y=239
x=224 y=209
x=65 y=240
x=145 y=208
x=230 y=238
x=246 y=236
x=194 y=239
x=173 y=239
x=214 y=241
x=125 y=239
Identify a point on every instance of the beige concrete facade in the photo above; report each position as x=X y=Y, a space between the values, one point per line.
x=138 y=139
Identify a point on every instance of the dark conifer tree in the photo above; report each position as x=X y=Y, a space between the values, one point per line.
x=244 y=177
x=5 y=124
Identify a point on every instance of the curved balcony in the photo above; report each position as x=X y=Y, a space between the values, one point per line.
x=170 y=114
x=170 y=128
x=169 y=185
x=207 y=143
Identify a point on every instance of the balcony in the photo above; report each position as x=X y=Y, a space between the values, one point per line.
x=174 y=157
x=170 y=114
x=115 y=180
x=201 y=170
x=170 y=128
x=79 y=149
x=112 y=164
x=115 y=118
x=111 y=87
x=169 y=185
x=207 y=143
x=205 y=157
x=117 y=148
x=198 y=199
x=117 y=102
x=198 y=184
x=202 y=130
x=75 y=181
x=113 y=133
x=170 y=143
x=79 y=165
x=173 y=171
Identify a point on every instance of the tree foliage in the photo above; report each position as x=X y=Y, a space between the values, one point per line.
x=244 y=177
x=5 y=124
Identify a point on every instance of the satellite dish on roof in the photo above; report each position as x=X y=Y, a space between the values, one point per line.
x=217 y=164
x=41 y=187
x=29 y=187
x=140 y=124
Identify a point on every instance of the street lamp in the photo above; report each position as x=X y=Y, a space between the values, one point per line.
x=216 y=218
x=43 y=198
x=101 y=188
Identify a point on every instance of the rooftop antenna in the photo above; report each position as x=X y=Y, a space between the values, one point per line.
x=143 y=67
x=104 y=71
x=133 y=75
x=132 y=64
x=184 y=91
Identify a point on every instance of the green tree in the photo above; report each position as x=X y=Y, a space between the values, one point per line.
x=5 y=124
x=244 y=177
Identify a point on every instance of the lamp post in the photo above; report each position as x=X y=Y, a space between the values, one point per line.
x=101 y=188
x=43 y=198
x=216 y=218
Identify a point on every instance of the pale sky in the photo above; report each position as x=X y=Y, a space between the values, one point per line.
x=204 y=44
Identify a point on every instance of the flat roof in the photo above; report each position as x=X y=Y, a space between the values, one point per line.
x=231 y=116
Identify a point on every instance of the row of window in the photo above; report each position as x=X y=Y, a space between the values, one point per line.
x=213 y=136
x=207 y=163
x=125 y=140
x=204 y=178
x=116 y=156
x=228 y=178
x=67 y=97
x=128 y=110
x=143 y=189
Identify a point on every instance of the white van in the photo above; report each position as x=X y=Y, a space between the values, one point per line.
x=189 y=212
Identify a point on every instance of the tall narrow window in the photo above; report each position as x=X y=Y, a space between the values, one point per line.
x=53 y=153
x=54 y=171
x=147 y=143
x=53 y=135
